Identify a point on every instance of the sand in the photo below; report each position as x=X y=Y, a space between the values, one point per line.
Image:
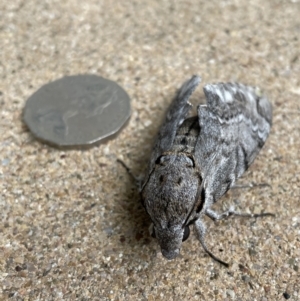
x=72 y=226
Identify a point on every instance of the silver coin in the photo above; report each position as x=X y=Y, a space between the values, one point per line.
x=77 y=110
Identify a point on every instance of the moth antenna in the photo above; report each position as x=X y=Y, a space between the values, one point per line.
x=126 y=168
x=137 y=180
x=200 y=231
x=212 y=255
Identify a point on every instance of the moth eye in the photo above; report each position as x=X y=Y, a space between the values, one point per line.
x=186 y=233
x=152 y=231
x=157 y=161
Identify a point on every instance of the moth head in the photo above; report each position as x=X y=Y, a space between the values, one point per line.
x=169 y=198
x=170 y=240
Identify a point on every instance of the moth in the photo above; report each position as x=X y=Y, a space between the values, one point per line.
x=196 y=160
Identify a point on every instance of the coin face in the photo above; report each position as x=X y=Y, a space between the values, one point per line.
x=77 y=110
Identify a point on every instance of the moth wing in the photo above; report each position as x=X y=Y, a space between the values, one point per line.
x=234 y=126
x=176 y=114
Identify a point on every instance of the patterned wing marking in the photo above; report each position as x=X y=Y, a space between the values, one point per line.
x=234 y=126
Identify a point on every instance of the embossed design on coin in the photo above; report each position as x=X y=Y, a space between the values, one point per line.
x=77 y=110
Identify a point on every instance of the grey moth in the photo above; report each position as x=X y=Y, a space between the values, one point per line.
x=196 y=160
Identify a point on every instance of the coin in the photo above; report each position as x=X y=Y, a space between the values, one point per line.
x=78 y=110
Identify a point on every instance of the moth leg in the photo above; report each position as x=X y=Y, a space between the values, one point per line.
x=250 y=185
x=138 y=180
x=218 y=216
x=200 y=232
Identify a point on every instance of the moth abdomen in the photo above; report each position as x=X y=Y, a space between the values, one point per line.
x=187 y=135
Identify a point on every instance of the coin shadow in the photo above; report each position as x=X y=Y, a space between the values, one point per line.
x=87 y=146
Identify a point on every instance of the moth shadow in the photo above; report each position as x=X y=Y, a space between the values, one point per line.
x=136 y=226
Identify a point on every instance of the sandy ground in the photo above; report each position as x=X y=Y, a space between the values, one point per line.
x=72 y=227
